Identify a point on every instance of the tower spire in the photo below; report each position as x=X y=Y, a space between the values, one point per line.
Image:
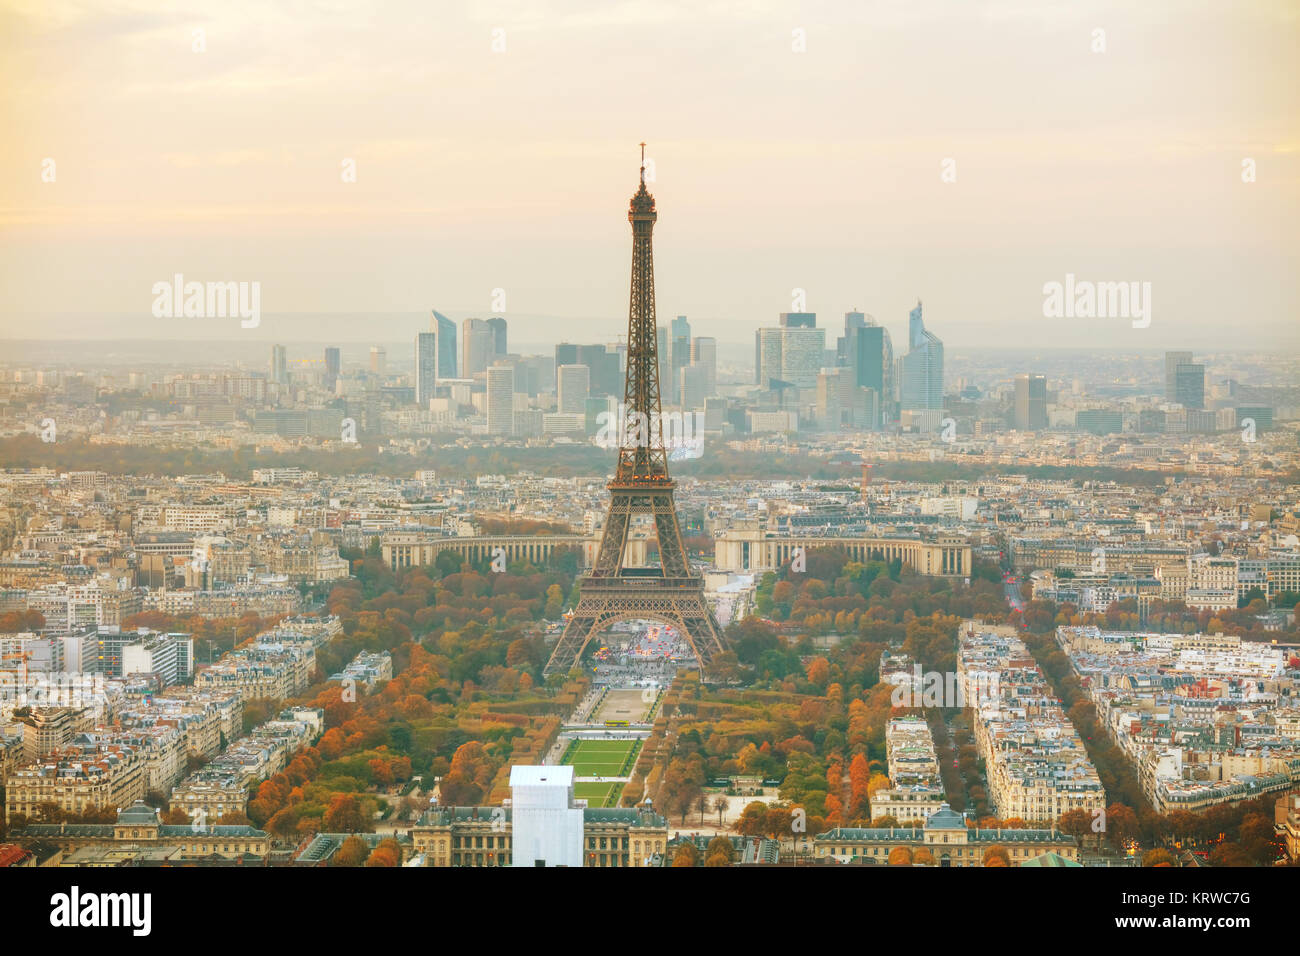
x=614 y=589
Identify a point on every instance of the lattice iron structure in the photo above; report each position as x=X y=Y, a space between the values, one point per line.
x=611 y=592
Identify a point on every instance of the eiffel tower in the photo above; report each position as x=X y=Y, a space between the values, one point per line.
x=672 y=594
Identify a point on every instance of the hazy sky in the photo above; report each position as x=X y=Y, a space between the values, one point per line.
x=774 y=169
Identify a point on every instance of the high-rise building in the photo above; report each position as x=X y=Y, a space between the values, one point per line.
x=792 y=353
x=426 y=367
x=500 y=400
x=767 y=356
x=1031 y=402
x=445 y=329
x=1172 y=361
x=333 y=364
x=477 y=347
x=921 y=369
x=803 y=350
x=1099 y=421
x=535 y=374
x=573 y=388
x=606 y=375
x=692 y=385
x=498 y=327
x=1189 y=386
x=704 y=353
x=846 y=344
x=279 y=365
x=829 y=388
x=873 y=365
x=680 y=335
x=378 y=360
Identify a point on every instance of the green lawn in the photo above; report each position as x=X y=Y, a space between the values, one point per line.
x=602 y=758
x=598 y=794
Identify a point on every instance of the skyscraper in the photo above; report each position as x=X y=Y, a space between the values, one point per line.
x=846 y=344
x=872 y=362
x=333 y=364
x=603 y=363
x=680 y=333
x=1031 y=402
x=704 y=353
x=378 y=359
x=477 y=347
x=767 y=356
x=829 y=389
x=793 y=352
x=803 y=348
x=445 y=329
x=921 y=385
x=500 y=400
x=426 y=367
x=1172 y=361
x=498 y=327
x=279 y=365
x=1189 y=385
x=691 y=387
x=573 y=388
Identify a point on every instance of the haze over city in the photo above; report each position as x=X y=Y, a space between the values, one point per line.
x=490 y=160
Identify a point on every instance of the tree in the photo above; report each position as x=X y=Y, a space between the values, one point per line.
x=554 y=602
x=344 y=815
x=387 y=853
x=900 y=856
x=1158 y=857
x=353 y=852
x=1121 y=825
x=1076 y=823
x=686 y=855
x=720 y=847
x=284 y=824
x=753 y=819
x=720 y=803
x=997 y=856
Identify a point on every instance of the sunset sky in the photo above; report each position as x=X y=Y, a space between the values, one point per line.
x=774 y=169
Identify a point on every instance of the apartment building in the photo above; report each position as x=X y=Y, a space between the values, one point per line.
x=76 y=779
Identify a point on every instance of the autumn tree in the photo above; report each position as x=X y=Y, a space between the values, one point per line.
x=1158 y=856
x=352 y=852
x=686 y=855
x=720 y=852
x=345 y=815
x=997 y=856
x=387 y=853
